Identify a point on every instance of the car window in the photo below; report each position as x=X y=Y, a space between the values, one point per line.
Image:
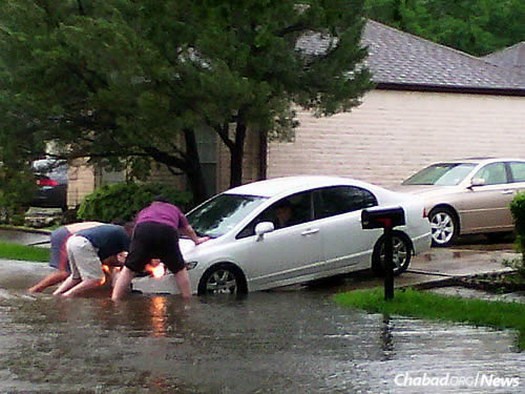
x=441 y=174
x=220 y=214
x=289 y=211
x=493 y=174
x=341 y=199
x=517 y=170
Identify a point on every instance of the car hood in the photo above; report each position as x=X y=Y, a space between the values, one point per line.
x=425 y=190
x=186 y=246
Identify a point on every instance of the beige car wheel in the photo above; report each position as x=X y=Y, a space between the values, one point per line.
x=445 y=227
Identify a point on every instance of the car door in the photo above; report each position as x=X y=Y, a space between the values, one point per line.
x=285 y=255
x=517 y=175
x=487 y=205
x=337 y=210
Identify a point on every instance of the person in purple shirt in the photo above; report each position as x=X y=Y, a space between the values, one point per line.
x=155 y=236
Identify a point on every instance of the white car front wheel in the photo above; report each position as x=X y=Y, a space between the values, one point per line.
x=222 y=279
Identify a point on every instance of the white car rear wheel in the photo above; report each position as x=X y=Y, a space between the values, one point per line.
x=402 y=255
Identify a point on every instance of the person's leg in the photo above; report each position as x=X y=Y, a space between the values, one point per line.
x=67 y=285
x=139 y=255
x=85 y=264
x=122 y=284
x=83 y=286
x=170 y=254
x=183 y=282
x=73 y=279
x=58 y=260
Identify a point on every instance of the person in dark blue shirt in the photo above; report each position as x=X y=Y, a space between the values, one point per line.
x=87 y=250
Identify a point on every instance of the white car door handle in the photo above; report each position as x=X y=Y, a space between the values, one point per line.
x=310 y=231
x=507 y=192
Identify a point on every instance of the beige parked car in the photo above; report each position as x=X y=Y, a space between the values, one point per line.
x=470 y=196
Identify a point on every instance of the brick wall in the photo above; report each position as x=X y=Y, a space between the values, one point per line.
x=81 y=182
x=393 y=134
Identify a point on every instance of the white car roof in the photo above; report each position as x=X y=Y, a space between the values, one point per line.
x=292 y=184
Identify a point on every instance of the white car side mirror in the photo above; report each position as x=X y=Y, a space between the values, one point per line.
x=263 y=228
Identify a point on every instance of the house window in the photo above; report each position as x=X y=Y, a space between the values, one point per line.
x=207 y=148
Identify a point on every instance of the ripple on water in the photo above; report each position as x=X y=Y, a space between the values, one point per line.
x=268 y=342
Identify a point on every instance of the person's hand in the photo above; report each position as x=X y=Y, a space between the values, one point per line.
x=154 y=262
x=201 y=240
x=121 y=257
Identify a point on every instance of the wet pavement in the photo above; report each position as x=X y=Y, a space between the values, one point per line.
x=24 y=237
x=293 y=340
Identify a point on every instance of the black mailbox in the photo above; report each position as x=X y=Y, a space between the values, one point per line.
x=382 y=217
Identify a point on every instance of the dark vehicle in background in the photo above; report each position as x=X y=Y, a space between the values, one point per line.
x=51 y=179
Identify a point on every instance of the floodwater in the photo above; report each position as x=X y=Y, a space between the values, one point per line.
x=295 y=341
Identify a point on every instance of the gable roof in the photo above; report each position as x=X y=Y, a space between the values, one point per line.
x=400 y=60
x=513 y=56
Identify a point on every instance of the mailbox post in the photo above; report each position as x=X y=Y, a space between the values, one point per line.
x=387 y=219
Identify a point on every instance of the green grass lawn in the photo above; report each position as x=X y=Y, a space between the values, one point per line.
x=14 y=251
x=427 y=305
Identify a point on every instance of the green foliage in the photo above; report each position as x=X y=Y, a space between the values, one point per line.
x=13 y=251
x=428 y=305
x=17 y=186
x=137 y=80
x=477 y=27
x=122 y=201
x=517 y=208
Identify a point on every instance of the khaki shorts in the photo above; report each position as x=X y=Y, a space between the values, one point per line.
x=83 y=259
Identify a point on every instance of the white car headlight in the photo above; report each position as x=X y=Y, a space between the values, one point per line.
x=191 y=265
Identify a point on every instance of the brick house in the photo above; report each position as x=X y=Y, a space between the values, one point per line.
x=430 y=103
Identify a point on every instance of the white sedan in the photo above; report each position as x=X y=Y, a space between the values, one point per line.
x=291 y=230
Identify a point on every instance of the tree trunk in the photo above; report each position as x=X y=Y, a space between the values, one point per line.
x=193 y=169
x=188 y=162
x=237 y=154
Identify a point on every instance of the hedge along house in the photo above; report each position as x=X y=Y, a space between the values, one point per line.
x=430 y=103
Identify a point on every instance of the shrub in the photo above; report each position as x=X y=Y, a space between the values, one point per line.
x=17 y=187
x=517 y=208
x=122 y=201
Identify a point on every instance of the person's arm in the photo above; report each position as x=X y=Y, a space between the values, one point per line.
x=188 y=230
x=50 y=280
x=117 y=260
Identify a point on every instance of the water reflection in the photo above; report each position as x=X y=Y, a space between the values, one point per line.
x=387 y=337
x=157 y=312
x=286 y=342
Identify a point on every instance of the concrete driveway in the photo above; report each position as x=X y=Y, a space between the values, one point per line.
x=471 y=256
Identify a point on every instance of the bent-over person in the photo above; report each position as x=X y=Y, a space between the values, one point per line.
x=87 y=250
x=155 y=236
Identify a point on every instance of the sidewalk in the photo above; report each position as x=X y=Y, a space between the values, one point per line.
x=439 y=266
x=442 y=264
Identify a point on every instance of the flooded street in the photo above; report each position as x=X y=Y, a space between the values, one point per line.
x=276 y=342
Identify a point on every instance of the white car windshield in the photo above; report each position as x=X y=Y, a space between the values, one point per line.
x=222 y=213
x=443 y=174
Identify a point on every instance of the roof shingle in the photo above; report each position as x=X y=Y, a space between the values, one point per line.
x=400 y=58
